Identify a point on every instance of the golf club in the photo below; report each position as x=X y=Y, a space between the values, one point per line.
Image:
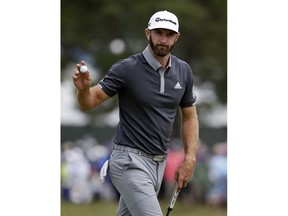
x=173 y=199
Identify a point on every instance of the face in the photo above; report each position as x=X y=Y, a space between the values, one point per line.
x=161 y=41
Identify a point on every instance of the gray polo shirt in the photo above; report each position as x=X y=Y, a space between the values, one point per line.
x=148 y=99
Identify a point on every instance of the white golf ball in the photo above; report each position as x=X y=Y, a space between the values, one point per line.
x=83 y=69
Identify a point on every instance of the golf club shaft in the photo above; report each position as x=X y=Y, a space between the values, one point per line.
x=173 y=199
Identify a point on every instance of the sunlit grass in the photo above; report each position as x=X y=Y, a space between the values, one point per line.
x=100 y=208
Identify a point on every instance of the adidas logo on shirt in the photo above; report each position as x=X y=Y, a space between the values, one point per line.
x=177 y=86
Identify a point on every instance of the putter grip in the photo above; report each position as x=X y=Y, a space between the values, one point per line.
x=174 y=196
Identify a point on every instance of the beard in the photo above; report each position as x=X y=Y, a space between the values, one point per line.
x=160 y=50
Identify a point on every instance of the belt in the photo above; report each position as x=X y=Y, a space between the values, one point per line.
x=158 y=158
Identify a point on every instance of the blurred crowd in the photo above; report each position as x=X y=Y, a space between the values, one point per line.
x=82 y=160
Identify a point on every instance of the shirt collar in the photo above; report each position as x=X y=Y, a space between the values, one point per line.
x=152 y=61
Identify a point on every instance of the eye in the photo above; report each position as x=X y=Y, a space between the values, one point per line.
x=170 y=34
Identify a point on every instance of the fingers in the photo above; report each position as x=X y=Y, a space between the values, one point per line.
x=81 y=80
x=179 y=185
x=78 y=75
x=182 y=183
x=181 y=178
x=79 y=65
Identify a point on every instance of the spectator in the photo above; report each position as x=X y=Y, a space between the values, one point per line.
x=217 y=195
x=77 y=171
x=200 y=182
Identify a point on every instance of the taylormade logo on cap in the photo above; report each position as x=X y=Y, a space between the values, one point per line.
x=158 y=19
x=164 y=19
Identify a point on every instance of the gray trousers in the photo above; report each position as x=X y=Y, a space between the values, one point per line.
x=138 y=179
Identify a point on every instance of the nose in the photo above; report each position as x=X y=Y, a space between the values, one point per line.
x=163 y=39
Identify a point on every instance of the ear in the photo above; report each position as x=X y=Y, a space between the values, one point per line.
x=177 y=37
x=147 y=33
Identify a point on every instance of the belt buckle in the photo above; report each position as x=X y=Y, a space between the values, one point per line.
x=159 y=158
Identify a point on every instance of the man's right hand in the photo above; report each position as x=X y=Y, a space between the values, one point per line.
x=82 y=81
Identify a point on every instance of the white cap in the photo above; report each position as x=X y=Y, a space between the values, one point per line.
x=164 y=19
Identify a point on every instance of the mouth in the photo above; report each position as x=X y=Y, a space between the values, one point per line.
x=162 y=46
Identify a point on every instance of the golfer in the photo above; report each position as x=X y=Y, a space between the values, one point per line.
x=151 y=85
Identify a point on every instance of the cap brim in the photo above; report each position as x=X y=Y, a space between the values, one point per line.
x=162 y=27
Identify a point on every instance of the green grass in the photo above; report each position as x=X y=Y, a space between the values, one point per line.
x=100 y=208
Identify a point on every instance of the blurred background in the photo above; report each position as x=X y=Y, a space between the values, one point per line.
x=102 y=32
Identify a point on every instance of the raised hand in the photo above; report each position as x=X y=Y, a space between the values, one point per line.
x=82 y=80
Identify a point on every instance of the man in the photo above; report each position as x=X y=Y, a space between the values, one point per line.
x=151 y=86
